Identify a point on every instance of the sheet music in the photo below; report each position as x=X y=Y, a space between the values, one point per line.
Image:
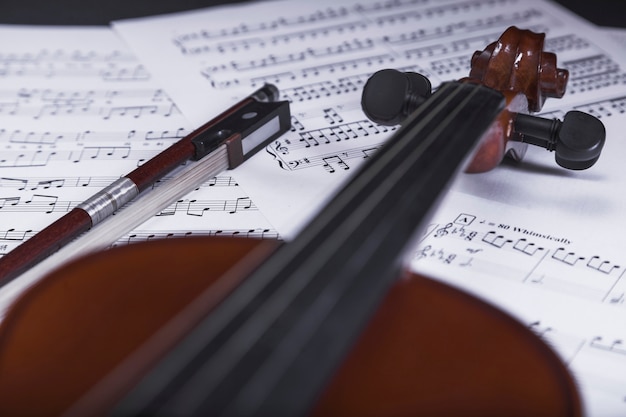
x=78 y=110
x=539 y=241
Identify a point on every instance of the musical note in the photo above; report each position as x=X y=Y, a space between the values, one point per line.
x=617 y=299
x=268 y=61
x=526 y=247
x=344 y=65
x=324 y=160
x=7 y=202
x=138 y=111
x=594 y=72
x=495 y=239
x=118 y=73
x=182 y=41
x=36 y=183
x=26 y=158
x=220 y=181
x=198 y=208
x=47 y=138
x=16 y=235
x=18 y=183
x=166 y=134
x=567 y=257
x=224 y=82
x=242 y=203
x=442 y=49
x=9 y=108
x=601 y=265
x=44 y=203
x=613 y=346
x=142 y=236
x=34 y=137
x=605 y=108
x=331 y=134
x=367 y=152
x=332 y=117
x=540 y=329
x=48 y=103
x=46 y=184
x=326 y=88
x=103 y=152
x=58 y=63
x=330 y=161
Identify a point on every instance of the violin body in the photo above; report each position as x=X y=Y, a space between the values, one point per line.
x=429 y=349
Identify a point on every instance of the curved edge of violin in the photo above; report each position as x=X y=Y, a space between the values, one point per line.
x=453 y=355
x=65 y=335
x=445 y=353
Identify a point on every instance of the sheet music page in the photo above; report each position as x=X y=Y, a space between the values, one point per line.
x=541 y=242
x=77 y=111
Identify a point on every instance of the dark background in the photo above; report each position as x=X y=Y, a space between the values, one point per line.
x=91 y=12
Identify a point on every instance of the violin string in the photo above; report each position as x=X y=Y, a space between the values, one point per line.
x=218 y=362
x=365 y=196
x=208 y=370
x=379 y=193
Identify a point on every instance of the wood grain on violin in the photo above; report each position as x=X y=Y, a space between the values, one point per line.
x=326 y=324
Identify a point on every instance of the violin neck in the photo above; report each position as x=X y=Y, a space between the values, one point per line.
x=270 y=347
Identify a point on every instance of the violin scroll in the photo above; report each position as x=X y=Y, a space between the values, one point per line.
x=517 y=66
x=516 y=62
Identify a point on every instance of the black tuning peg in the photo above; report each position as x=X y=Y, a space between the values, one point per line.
x=389 y=96
x=577 y=140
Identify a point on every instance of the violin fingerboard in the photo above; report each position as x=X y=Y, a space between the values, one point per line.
x=270 y=348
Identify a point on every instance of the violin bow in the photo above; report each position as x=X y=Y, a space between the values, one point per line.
x=224 y=142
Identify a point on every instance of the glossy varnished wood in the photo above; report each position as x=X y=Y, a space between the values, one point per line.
x=74 y=327
x=430 y=349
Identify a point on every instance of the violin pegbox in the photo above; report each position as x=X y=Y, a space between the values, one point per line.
x=517 y=66
x=516 y=62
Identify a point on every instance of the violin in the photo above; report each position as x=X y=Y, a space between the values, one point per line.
x=330 y=323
